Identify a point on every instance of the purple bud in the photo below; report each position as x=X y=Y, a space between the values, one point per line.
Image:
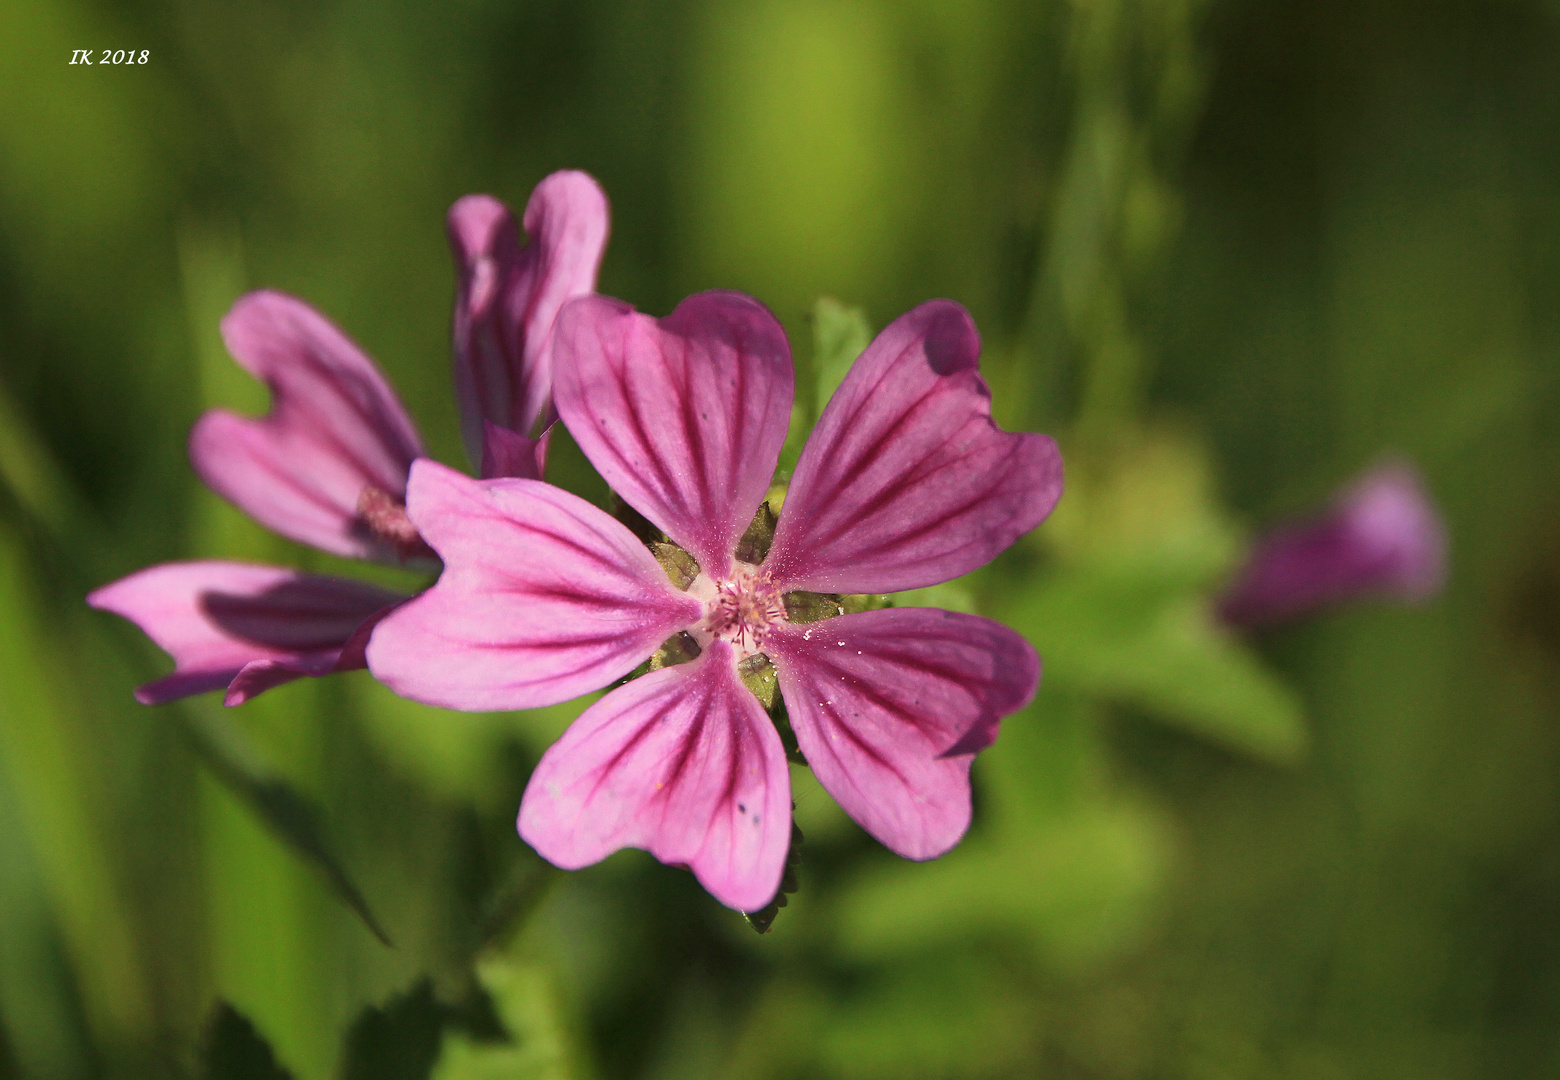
x=1381 y=537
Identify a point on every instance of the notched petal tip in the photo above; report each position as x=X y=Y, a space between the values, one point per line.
x=951 y=340
x=889 y=708
x=907 y=481
x=684 y=416
x=682 y=763
x=334 y=428
x=478 y=226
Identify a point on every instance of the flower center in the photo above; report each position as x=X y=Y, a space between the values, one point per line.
x=384 y=518
x=741 y=609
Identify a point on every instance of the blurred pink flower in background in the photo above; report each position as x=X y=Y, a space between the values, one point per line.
x=244 y=627
x=507 y=301
x=905 y=482
x=1381 y=537
x=327 y=466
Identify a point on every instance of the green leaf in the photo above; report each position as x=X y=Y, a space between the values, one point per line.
x=1079 y=889
x=43 y=1031
x=1145 y=505
x=541 y=1045
x=47 y=750
x=236 y=1051
x=290 y=816
x=1130 y=639
x=1139 y=544
x=840 y=334
x=958 y=1014
x=400 y=1041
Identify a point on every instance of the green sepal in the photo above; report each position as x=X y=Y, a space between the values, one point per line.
x=856 y=603
x=758 y=675
x=782 y=721
x=760 y=533
x=680 y=566
x=677 y=649
x=809 y=607
x=762 y=919
x=637 y=523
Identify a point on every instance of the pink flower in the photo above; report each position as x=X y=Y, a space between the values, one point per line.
x=1381 y=537
x=905 y=482
x=509 y=298
x=328 y=465
x=247 y=628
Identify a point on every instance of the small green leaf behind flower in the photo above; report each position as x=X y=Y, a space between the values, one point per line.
x=840 y=334
x=1121 y=639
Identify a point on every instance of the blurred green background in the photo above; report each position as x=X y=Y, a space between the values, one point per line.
x=1229 y=251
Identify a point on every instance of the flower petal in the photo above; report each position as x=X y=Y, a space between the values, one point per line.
x=890 y=707
x=682 y=762
x=684 y=416
x=506 y=454
x=335 y=429
x=906 y=481
x=217 y=619
x=509 y=297
x=258 y=676
x=1381 y=537
x=543 y=597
